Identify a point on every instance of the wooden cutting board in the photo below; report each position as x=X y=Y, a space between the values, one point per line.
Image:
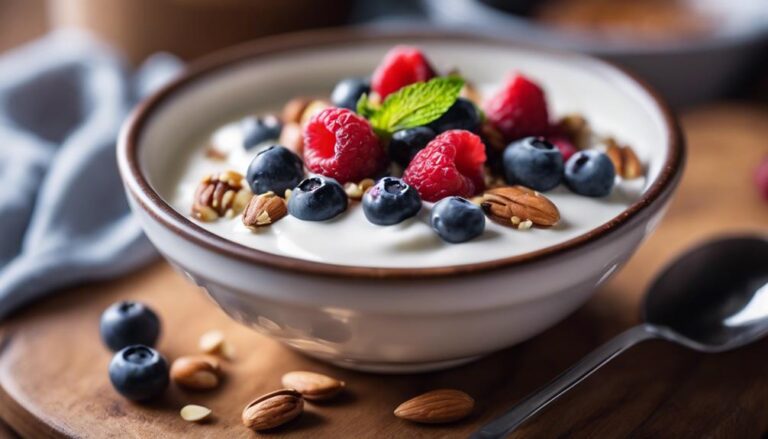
x=53 y=368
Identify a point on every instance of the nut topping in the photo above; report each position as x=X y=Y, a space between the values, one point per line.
x=198 y=372
x=264 y=210
x=292 y=138
x=195 y=413
x=513 y=205
x=624 y=160
x=313 y=386
x=273 y=409
x=293 y=110
x=437 y=406
x=220 y=195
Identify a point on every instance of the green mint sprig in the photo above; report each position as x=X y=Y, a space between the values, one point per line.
x=412 y=106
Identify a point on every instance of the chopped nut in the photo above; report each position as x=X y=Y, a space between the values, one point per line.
x=292 y=138
x=624 y=159
x=293 y=109
x=287 y=196
x=211 y=341
x=195 y=413
x=353 y=191
x=477 y=200
x=515 y=220
x=469 y=91
x=313 y=108
x=214 y=153
x=577 y=129
x=264 y=210
x=493 y=137
x=220 y=195
x=525 y=225
x=198 y=372
x=366 y=184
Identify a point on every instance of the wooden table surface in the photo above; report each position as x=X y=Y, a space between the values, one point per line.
x=53 y=379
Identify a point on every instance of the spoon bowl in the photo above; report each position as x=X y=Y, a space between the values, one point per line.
x=713 y=298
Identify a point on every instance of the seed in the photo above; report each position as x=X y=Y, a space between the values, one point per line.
x=211 y=341
x=195 y=413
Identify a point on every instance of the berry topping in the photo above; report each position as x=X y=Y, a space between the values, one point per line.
x=761 y=179
x=533 y=162
x=340 y=144
x=317 y=199
x=348 y=91
x=274 y=169
x=564 y=145
x=463 y=115
x=257 y=130
x=519 y=109
x=406 y=143
x=390 y=201
x=401 y=66
x=127 y=323
x=590 y=173
x=451 y=164
x=139 y=372
x=457 y=220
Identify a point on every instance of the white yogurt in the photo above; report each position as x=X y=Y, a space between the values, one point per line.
x=350 y=239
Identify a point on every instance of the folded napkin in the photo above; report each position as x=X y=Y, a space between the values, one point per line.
x=64 y=218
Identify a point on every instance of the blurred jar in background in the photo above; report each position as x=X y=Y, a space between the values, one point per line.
x=191 y=28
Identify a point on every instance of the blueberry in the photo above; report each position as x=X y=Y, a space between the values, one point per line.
x=462 y=115
x=317 y=199
x=390 y=201
x=275 y=169
x=257 y=130
x=456 y=220
x=348 y=91
x=590 y=173
x=127 y=323
x=533 y=162
x=406 y=143
x=138 y=372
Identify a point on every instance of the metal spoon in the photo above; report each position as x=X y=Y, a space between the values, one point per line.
x=712 y=299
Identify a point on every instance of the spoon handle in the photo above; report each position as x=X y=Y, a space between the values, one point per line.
x=505 y=424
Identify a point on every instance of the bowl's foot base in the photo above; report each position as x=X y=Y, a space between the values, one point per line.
x=397 y=368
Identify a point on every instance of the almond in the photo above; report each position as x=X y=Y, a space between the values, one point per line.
x=273 y=409
x=504 y=204
x=197 y=372
x=292 y=138
x=313 y=108
x=437 y=406
x=264 y=210
x=624 y=159
x=313 y=386
x=293 y=109
x=195 y=413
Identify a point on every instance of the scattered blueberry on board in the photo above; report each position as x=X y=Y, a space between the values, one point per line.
x=260 y=129
x=274 y=169
x=462 y=115
x=129 y=323
x=139 y=373
x=590 y=173
x=348 y=91
x=406 y=143
x=390 y=201
x=317 y=199
x=457 y=220
x=533 y=162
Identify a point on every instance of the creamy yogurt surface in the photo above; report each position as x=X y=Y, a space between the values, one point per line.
x=349 y=239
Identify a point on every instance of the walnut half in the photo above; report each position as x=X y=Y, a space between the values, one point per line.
x=220 y=195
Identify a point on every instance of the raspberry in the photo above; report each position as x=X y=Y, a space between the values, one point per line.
x=564 y=145
x=401 y=66
x=451 y=164
x=340 y=144
x=761 y=179
x=519 y=109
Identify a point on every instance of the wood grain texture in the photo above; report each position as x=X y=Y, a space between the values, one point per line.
x=53 y=379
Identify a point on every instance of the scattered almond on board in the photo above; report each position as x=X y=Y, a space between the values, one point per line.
x=437 y=407
x=313 y=386
x=273 y=409
x=197 y=372
x=195 y=413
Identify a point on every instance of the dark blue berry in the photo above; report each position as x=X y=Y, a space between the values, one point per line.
x=406 y=143
x=317 y=199
x=128 y=323
x=590 y=173
x=533 y=162
x=275 y=169
x=390 y=201
x=348 y=91
x=257 y=130
x=456 y=220
x=139 y=373
x=462 y=115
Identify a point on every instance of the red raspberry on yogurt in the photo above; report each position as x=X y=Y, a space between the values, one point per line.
x=401 y=66
x=519 y=109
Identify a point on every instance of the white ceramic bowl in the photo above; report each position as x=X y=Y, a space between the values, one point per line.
x=391 y=319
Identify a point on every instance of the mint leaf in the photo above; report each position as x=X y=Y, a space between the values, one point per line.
x=364 y=106
x=413 y=105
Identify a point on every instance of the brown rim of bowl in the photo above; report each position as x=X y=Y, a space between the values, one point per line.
x=181 y=225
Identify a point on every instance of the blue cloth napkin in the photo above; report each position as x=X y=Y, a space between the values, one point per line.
x=64 y=218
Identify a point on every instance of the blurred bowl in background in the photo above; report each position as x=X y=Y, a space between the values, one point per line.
x=192 y=28
x=692 y=51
